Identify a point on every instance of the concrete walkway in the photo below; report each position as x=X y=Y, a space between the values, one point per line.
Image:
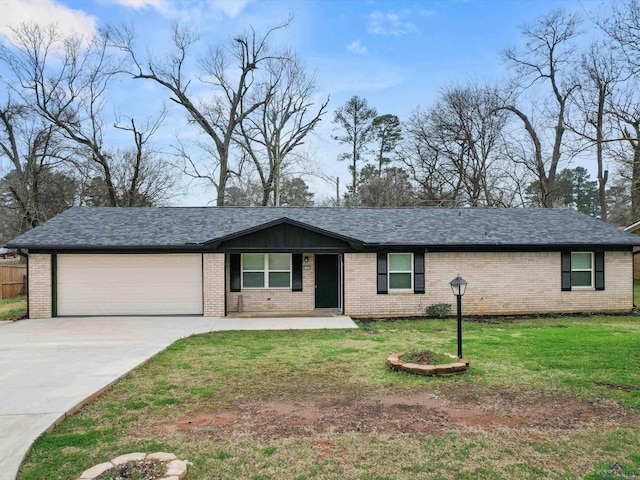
x=50 y=366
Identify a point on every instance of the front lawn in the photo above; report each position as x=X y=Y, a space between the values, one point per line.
x=13 y=308
x=544 y=398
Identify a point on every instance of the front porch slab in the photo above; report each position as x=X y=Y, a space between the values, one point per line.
x=317 y=313
x=287 y=322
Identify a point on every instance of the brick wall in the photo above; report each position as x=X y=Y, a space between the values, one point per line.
x=275 y=299
x=39 y=285
x=213 y=284
x=499 y=283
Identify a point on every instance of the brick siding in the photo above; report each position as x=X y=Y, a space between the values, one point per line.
x=499 y=283
x=213 y=284
x=275 y=299
x=39 y=285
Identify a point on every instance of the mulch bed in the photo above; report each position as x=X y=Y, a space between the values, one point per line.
x=137 y=470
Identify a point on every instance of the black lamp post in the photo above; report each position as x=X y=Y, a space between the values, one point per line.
x=459 y=286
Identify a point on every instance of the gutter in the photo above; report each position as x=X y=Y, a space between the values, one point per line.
x=209 y=247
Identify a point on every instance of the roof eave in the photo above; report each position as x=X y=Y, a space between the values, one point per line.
x=195 y=248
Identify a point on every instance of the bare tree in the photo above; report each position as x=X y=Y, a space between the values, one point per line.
x=32 y=152
x=622 y=25
x=599 y=72
x=625 y=111
x=469 y=129
x=437 y=182
x=545 y=61
x=229 y=72
x=459 y=141
x=144 y=178
x=275 y=130
x=66 y=80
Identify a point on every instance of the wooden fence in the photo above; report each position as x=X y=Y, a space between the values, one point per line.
x=12 y=280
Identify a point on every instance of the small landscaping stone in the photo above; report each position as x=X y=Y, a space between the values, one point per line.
x=129 y=457
x=139 y=465
x=176 y=467
x=161 y=456
x=96 y=471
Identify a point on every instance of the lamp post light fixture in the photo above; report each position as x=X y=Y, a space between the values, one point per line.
x=459 y=286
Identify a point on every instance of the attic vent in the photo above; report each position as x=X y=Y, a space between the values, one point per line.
x=397 y=225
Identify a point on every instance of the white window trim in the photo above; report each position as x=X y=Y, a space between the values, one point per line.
x=266 y=272
x=592 y=270
x=389 y=272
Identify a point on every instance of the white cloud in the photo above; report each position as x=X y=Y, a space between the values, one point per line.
x=390 y=23
x=45 y=12
x=357 y=47
x=187 y=8
x=139 y=4
x=231 y=7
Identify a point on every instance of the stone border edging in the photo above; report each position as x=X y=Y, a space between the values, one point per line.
x=176 y=469
x=459 y=366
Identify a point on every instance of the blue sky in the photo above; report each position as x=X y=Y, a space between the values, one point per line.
x=396 y=54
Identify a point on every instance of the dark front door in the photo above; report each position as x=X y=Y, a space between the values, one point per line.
x=326 y=281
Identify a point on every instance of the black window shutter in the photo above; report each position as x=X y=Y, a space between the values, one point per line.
x=599 y=270
x=234 y=267
x=382 y=273
x=566 y=271
x=418 y=272
x=296 y=272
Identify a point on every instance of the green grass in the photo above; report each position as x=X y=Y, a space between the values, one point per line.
x=13 y=300
x=13 y=308
x=566 y=360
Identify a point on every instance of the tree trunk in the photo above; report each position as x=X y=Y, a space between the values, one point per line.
x=635 y=183
x=222 y=183
x=603 y=175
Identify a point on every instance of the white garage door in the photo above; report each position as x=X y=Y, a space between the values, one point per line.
x=129 y=284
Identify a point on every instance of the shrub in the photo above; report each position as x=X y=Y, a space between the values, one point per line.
x=439 y=310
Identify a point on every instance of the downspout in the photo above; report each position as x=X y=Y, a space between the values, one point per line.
x=25 y=255
x=633 y=276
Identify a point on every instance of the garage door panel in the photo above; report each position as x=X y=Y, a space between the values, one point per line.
x=129 y=284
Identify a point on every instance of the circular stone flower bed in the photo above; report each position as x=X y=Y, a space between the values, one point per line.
x=142 y=466
x=441 y=369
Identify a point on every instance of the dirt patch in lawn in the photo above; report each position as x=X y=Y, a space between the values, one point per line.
x=204 y=418
x=529 y=411
x=618 y=386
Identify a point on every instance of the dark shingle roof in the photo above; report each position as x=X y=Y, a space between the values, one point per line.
x=108 y=227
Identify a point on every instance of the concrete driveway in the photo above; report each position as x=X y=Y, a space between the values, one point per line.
x=50 y=366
